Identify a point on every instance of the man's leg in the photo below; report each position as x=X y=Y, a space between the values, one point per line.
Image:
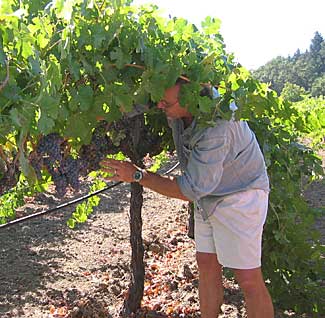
x=210 y=284
x=257 y=297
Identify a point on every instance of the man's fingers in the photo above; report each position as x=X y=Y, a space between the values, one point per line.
x=106 y=162
x=109 y=170
x=110 y=163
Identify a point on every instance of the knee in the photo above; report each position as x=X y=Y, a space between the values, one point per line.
x=249 y=287
x=250 y=281
x=207 y=261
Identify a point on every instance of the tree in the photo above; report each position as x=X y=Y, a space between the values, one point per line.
x=318 y=87
x=302 y=69
x=316 y=44
x=293 y=92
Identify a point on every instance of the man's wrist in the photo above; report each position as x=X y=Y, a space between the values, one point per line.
x=138 y=175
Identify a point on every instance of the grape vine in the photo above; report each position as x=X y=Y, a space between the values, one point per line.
x=73 y=71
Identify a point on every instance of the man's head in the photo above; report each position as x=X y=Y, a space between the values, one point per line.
x=170 y=104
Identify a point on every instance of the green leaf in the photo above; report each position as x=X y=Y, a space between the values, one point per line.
x=85 y=97
x=26 y=169
x=125 y=102
x=26 y=48
x=35 y=65
x=78 y=127
x=94 y=201
x=98 y=35
x=211 y=26
x=189 y=96
x=54 y=77
x=3 y=57
x=206 y=104
x=45 y=124
x=71 y=223
x=75 y=69
x=121 y=58
x=321 y=117
x=64 y=8
x=50 y=106
x=22 y=116
x=113 y=114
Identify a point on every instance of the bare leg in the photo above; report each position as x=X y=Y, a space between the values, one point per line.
x=257 y=297
x=210 y=284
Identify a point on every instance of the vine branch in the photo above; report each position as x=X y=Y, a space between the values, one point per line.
x=3 y=157
x=5 y=82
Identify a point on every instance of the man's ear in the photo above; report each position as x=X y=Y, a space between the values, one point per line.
x=206 y=91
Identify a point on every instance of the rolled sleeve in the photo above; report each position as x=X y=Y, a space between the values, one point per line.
x=204 y=168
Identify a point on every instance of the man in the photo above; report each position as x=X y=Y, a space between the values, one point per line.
x=224 y=174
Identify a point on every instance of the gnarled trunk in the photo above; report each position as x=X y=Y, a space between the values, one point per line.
x=134 y=297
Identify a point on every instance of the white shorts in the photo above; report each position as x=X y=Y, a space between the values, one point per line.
x=234 y=231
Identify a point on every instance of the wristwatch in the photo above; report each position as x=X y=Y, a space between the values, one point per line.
x=138 y=175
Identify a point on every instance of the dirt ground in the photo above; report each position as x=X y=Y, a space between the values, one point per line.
x=48 y=270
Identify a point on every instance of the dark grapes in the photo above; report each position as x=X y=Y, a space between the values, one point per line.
x=100 y=139
x=50 y=145
x=52 y=153
x=60 y=182
x=36 y=162
x=70 y=168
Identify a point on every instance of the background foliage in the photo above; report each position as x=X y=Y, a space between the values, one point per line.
x=306 y=70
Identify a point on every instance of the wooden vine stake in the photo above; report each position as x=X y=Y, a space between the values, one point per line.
x=134 y=296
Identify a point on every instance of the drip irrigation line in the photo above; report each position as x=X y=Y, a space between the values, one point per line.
x=61 y=206
x=64 y=205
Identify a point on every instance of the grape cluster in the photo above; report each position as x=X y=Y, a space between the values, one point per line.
x=36 y=162
x=70 y=167
x=100 y=145
x=100 y=139
x=50 y=146
x=60 y=182
x=52 y=153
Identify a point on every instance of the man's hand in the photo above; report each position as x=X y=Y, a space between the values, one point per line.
x=119 y=170
x=124 y=171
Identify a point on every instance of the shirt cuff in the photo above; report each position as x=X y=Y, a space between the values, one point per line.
x=186 y=188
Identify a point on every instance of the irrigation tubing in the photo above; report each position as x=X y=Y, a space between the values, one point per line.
x=64 y=205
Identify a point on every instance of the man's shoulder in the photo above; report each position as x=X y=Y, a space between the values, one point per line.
x=220 y=128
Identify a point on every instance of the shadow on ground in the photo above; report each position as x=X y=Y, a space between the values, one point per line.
x=31 y=252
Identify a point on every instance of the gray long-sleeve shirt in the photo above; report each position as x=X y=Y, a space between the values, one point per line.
x=217 y=161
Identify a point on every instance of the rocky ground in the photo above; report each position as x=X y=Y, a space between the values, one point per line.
x=48 y=270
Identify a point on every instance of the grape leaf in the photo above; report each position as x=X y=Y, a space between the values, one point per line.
x=45 y=124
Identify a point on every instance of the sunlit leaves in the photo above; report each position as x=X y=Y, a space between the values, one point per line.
x=211 y=26
x=42 y=30
x=182 y=29
x=64 y=8
x=53 y=75
x=312 y=112
x=5 y=7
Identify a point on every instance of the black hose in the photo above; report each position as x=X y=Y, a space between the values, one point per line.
x=61 y=206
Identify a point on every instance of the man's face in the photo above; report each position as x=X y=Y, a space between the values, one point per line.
x=170 y=105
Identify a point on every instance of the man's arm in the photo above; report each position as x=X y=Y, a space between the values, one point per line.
x=164 y=185
x=124 y=171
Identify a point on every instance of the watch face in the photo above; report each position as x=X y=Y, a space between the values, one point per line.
x=137 y=176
